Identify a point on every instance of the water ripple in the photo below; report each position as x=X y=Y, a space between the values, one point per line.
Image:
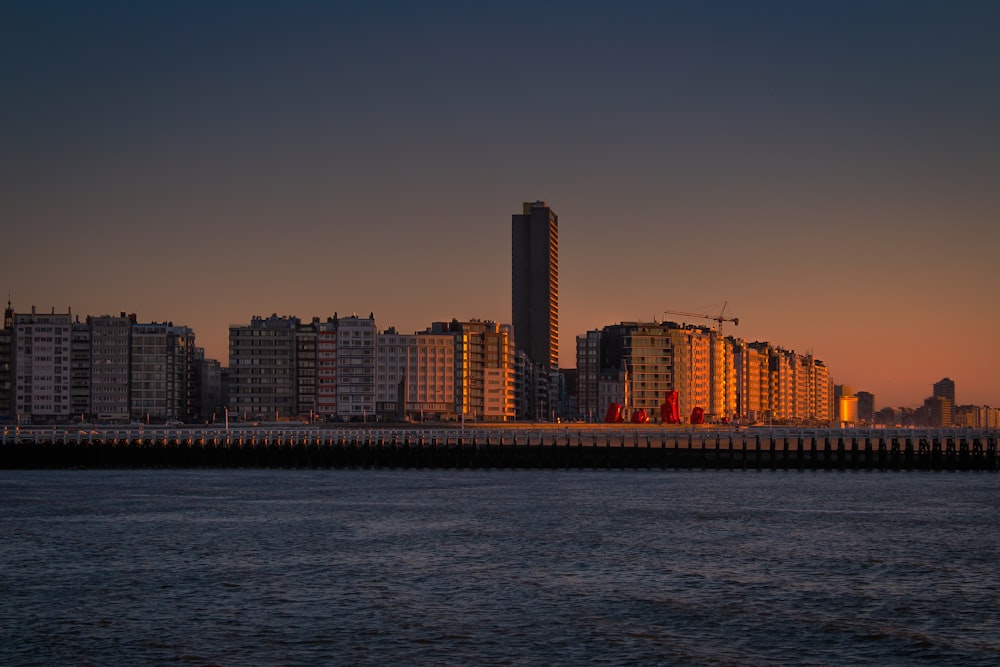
x=498 y=568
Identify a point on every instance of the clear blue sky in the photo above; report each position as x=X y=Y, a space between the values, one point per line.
x=831 y=170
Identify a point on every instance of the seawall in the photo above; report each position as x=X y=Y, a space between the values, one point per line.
x=522 y=447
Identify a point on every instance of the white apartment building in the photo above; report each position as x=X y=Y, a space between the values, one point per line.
x=415 y=376
x=356 y=368
x=42 y=351
x=427 y=380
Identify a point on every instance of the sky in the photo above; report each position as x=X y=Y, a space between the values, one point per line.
x=828 y=172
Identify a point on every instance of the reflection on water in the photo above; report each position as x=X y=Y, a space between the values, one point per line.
x=498 y=567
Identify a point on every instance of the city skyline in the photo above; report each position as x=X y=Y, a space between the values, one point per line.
x=826 y=170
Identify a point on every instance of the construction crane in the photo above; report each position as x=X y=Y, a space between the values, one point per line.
x=720 y=318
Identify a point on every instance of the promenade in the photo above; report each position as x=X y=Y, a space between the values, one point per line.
x=481 y=446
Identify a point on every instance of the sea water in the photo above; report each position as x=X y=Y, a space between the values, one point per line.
x=498 y=567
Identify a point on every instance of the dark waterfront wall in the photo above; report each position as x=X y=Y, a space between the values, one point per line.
x=515 y=448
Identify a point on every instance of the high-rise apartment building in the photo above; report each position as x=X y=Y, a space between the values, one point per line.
x=939 y=411
x=588 y=375
x=7 y=365
x=305 y=368
x=751 y=361
x=649 y=359
x=535 y=283
x=945 y=388
x=484 y=369
x=391 y=352
x=356 y=367
x=415 y=375
x=724 y=377
x=943 y=405
x=262 y=368
x=163 y=372
x=42 y=347
x=80 y=368
x=110 y=354
x=866 y=407
x=820 y=391
x=782 y=385
x=211 y=397
x=429 y=385
x=801 y=390
x=645 y=358
x=326 y=368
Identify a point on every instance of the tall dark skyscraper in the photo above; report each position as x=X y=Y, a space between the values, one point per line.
x=535 y=283
x=944 y=388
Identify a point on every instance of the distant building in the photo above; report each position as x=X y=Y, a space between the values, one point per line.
x=944 y=389
x=847 y=405
x=356 y=368
x=968 y=416
x=535 y=283
x=866 y=407
x=428 y=384
x=751 y=365
x=391 y=352
x=781 y=385
x=262 y=369
x=651 y=359
x=614 y=386
x=42 y=378
x=568 y=401
x=326 y=368
x=163 y=373
x=484 y=369
x=7 y=365
x=939 y=411
x=415 y=376
x=638 y=363
x=211 y=398
x=344 y=355
x=535 y=310
x=80 y=371
x=820 y=391
x=306 y=336
x=888 y=417
x=588 y=375
x=647 y=357
x=110 y=371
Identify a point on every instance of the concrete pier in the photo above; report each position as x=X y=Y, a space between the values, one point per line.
x=583 y=446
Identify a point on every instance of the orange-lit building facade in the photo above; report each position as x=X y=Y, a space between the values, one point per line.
x=730 y=379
